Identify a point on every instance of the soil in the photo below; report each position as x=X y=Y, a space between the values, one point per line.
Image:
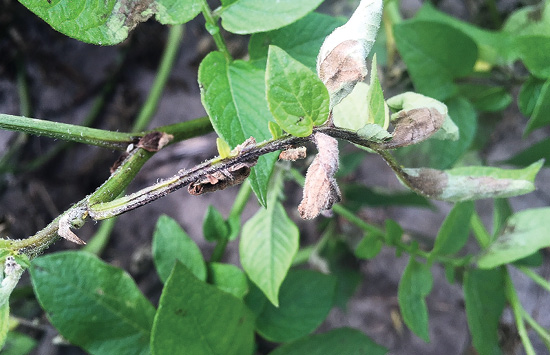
x=64 y=76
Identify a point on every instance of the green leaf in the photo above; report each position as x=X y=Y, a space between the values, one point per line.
x=369 y=247
x=394 y=232
x=197 y=318
x=296 y=96
x=84 y=297
x=17 y=344
x=454 y=231
x=233 y=95
x=250 y=16
x=533 y=51
x=305 y=299
x=374 y=133
x=214 y=226
x=353 y=111
x=541 y=112
x=486 y=98
x=416 y=283
x=357 y=195
x=304 y=48
x=525 y=233
x=378 y=110
x=501 y=212
x=473 y=182
x=529 y=95
x=335 y=342
x=4 y=323
x=442 y=154
x=529 y=20
x=485 y=299
x=268 y=244
x=109 y=22
x=171 y=243
x=228 y=278
x=435 y=54
x=536 y=152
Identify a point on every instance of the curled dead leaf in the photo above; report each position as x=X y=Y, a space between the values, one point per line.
x=414 y=126
x=321 y=190
x=293 y=154
x=73 y=219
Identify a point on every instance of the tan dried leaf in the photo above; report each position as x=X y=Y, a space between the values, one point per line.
x=293 y=154
x=154 y=141
x=64 y=229
x=414 y=126
x=321 y=190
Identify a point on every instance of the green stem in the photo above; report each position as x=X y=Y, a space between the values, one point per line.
x=167 y=62
x=541 y=331
x=535 y=277
x=65 y=131
x=513 y=299
x=238 y=206
x=214 y=30
x=480 y=232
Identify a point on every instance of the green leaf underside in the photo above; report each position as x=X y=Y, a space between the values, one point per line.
x=296 y=96
x=250 y=16
x=416 y=283
x=109 y=22
x=228 y=278
x=435 y=55
x=525 y=233
x=353 y=111
x=304 y=48
x=305 y=299
x=171 y=243
x=268 y=244
x=335 y=342
x=440 y=154
x=80 y=292
x=454 y=231
x=233 y=95
x=485 y=299
x=197 y=318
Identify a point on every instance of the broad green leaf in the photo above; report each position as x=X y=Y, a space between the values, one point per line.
x=197 y=318
x=228 y=278
x=486 y=98
x=378 y=110
x=541 y=112
x=416 y=283
x=305 y=299
x=525 y=233
x=304 y=48
x=296 y=96
x=369 y=247
x=268 y=244
x=474 y=182
x=109 y=22
x=214 y=226
x=536 y=152
x=485 y=299
x=533 y=51
x=454 y=231
x=251 y=16
x=529 y=20
x=171 y=243
x=18 y=344
x=435 y=55
x=353 y=111
x=4 y=323
x=81 y=293
x=233 y=95
x=439 y=154
x=529 y=95
x=357 y=195
x=335 y=342
x=394 y=232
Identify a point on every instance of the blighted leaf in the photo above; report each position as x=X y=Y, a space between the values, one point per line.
x=342 y=57
x=250 y=16
x=233 y=94
x=321 y=190
x=335 y=342
x=529 y=20
x=414 y=126
x=525 y=233
x=296 y=97
x=416 y=283
x=484 y=298
x=472 y=183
